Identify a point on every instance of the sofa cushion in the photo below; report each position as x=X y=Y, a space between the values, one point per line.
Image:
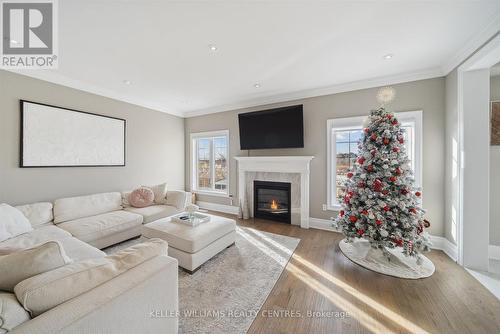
x=95 y=227
x=37 y=213
x=26 y=263
x=45 y=291
x=12 y=222
x=12 y=314
x=154 y=212
x=178 y=198
x=71 y=208
x=74 y=248
x=186 y=238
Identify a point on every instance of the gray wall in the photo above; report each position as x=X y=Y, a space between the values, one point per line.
x=426 y=95
x=495 y=175
x=155 y=145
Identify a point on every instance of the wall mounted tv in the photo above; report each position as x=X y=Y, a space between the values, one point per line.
x=273 y=128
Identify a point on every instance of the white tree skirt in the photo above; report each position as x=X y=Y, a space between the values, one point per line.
x=399 y=265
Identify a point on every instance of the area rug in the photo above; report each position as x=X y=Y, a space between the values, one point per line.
x=227 y=292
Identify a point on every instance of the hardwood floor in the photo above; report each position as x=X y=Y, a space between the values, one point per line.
x=320 y=278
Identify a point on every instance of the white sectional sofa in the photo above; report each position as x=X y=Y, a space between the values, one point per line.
x=125 y=303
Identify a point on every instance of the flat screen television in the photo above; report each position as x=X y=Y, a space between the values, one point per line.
x=273 y=128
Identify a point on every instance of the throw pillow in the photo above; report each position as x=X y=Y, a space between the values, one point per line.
x=141 y=197
x=45 y=291
x=12 y=314
x=12 y=222
x=26 y=263
x=160 y=191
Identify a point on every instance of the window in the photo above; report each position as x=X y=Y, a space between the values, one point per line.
x=343 y=137
x=210 y=169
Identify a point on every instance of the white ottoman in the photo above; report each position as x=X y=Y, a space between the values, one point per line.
x=193 y=246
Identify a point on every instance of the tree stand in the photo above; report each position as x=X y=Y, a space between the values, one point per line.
x=392 y=263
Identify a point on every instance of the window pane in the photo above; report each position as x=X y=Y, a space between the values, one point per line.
x=341 y=136
x=221 y=168
x=355 y=136
x=204 y=171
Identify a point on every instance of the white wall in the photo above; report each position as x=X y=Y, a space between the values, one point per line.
x=476 y=96
x=155 y=145
x=495 y=175
x=426 y=95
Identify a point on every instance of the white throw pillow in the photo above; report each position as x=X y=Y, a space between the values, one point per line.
x=12 y=314
x=12 y=222
x=160 y=192
x=26 y=263
x=43 y=292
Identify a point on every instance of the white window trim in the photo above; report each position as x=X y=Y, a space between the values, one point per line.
x=355 y=123
x=192 y=154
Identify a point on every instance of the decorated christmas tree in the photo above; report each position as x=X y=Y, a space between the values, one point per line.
x=380 y=203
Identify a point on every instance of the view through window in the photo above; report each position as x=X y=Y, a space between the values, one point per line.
x=211 y=164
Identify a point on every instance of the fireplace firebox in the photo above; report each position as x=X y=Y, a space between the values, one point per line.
x=272 y=200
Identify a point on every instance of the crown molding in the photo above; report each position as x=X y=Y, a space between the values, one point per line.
x=475 y=43
x=56 y=78
x=341 y=88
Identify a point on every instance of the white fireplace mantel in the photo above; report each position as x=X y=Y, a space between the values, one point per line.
x=279 y=164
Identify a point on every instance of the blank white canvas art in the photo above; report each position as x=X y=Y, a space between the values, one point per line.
x=54 y=137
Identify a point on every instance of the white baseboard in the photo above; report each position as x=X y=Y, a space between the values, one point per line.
x=322 y=224
x=494 y=252
x=437 y=242
x=445 y=245
x=233 y=210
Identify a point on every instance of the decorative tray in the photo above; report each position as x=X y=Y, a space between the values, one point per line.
x=197 y=219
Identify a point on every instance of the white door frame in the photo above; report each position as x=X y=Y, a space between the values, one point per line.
x=480 y=61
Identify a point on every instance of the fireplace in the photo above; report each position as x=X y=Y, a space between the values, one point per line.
x=272 y=200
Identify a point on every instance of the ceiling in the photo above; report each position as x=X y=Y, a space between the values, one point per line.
x=292 y=49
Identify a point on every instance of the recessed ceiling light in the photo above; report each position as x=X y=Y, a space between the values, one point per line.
x=257 y=85
x=13 y=41
x=127 y=82
x=388 y=56
x=212 y=47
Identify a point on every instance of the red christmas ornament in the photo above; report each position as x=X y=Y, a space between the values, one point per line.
x=399 y=242
x=386 y=141
x=341 y=213
x=373 y=136
x=349 y=175
x=373 y=152
x=377 y=185
x=389 y=116
x=394 y=122
x=395 y=149
x=353 y=219
x=393 y=179
x=404 y=191
x=364 y=212
x=378 y=222
x=386 y=208
x=401 y=140
x=361 y=160
x=361 y=184
x=369 y=168
x=366 y=130
x=413 y=210
x=398 y=171
x=418 y=194
x=361 y=232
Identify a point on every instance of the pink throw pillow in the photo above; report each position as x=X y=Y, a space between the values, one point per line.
x=141 y=197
